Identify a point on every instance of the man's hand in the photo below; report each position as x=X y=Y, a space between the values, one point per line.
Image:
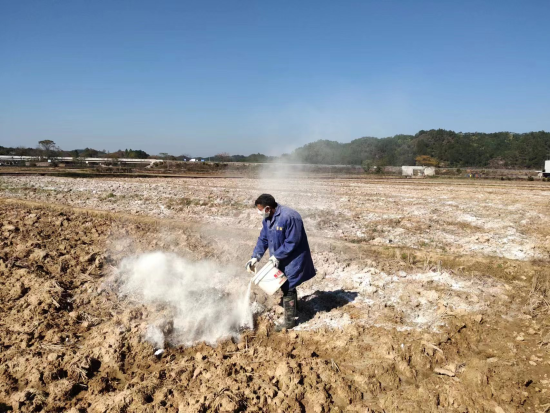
x=251 y=265
x=274 y=261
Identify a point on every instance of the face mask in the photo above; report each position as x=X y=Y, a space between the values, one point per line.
x=264 y=213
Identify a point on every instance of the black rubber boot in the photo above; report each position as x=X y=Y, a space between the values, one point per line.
x=290 y=301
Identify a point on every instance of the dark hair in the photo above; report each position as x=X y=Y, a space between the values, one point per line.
x=266 y=200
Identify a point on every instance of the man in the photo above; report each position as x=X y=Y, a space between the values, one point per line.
x=284 y=235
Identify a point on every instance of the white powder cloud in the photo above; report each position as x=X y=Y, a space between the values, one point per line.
x=196 y=301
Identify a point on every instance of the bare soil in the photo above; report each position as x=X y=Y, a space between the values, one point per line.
x=493 y=218
x=384 y=327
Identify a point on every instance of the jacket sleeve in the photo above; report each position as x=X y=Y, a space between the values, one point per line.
x=262 y=244
x=293 y=236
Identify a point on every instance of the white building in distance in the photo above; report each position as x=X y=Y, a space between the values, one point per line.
x=418 y=171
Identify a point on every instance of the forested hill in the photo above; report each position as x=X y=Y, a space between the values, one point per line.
x=453 y=149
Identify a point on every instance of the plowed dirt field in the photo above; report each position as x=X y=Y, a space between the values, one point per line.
x=430 y=297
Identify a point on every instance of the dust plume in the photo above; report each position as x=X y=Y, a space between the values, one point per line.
x=194 y=301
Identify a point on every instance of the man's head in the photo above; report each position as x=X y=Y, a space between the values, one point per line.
x=266 y=205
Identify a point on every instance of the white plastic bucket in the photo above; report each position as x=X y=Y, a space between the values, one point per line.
x=269 y=278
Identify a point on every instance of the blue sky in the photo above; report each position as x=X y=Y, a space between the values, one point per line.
x=264 y=76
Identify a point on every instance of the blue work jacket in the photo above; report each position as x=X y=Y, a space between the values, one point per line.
x=286 y=238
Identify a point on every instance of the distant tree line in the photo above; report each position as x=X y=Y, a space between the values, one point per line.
x=49 y=149
x=253 y=158
x=434 y=147
x=430 y=148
